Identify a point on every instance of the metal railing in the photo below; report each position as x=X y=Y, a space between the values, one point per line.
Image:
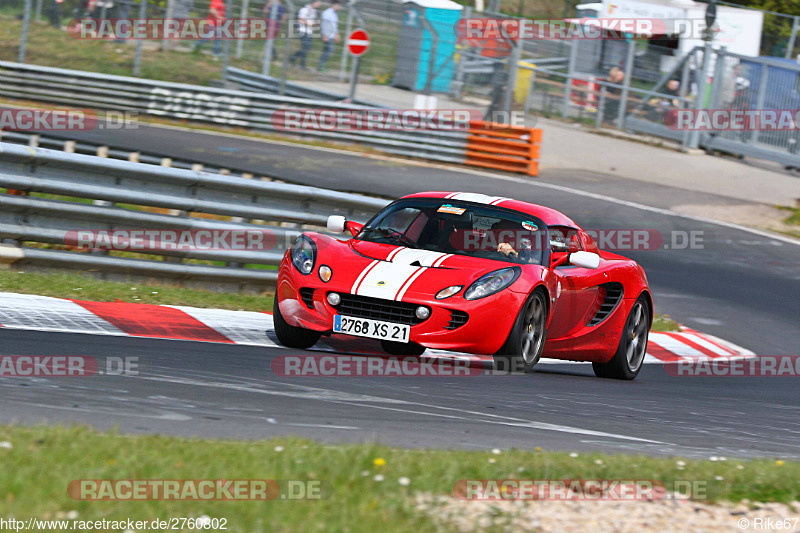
x=250 y=81
x=106 y=194
x=212 y=105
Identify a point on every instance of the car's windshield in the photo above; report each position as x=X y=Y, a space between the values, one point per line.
x=463 y=228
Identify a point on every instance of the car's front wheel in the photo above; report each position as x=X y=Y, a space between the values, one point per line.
x=627 y=361
x=525 y=343
x=289 y=335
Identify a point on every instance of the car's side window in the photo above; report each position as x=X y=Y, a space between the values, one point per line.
x=563 y=240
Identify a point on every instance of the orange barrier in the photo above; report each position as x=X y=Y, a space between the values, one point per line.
x=503 y=147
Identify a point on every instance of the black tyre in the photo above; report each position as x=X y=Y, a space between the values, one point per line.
x=402 y=348
x=525 y=344
x=627 y=361
x=289 y=335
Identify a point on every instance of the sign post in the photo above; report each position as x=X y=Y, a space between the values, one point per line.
x=357 y=43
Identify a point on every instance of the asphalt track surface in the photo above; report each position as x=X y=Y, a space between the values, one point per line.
x=228 y=391
x=741 y=286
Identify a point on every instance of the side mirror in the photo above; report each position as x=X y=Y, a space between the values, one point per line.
x=584 y=259
x=339 y=224
x=336 y=224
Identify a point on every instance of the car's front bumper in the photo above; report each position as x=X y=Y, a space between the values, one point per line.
x=487 y=327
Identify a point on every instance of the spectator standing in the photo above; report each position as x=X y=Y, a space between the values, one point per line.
x=216 y=16
x=306 y=19
x=329 y=30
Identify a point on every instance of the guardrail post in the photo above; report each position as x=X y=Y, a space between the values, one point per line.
x=10 y=253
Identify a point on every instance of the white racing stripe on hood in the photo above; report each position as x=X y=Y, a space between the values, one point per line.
x=406 y=256
x=391 y=279
x=386 y=280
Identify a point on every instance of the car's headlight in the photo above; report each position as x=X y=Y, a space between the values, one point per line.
x=303 y=254
x=492 y=282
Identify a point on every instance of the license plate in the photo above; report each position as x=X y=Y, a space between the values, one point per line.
x=374 y=329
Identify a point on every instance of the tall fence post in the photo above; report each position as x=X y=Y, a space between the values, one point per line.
x=165 y=44
x=573 y=56
x=269 y=45
x=793 y=37
x=137 y=61
x=240 y=42
x=684 y=88
x=26 y=22
x=348 y=30
x=431 y=55
x=38 y=16
x=700 y=99
x=761 y=97
x=718 y=80
x=286 y=42
x=458 y=77
x=623 y=99
x=513 y=68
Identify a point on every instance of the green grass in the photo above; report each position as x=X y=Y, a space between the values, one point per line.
x=84 y=287
x=794 y=217
x=46 y=459
x=663 y=323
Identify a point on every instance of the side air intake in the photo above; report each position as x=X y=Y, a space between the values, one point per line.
x=610 y=295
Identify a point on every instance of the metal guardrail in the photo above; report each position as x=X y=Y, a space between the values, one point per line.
x=97 y=184
x=210 y=105
x=250 y=81
x=63 y=143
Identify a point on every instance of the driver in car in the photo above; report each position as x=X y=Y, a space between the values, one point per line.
x=508 y=234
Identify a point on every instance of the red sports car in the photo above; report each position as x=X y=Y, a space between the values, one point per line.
x=470 y=273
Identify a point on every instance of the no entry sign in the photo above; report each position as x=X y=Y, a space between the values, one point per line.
x=358 y=42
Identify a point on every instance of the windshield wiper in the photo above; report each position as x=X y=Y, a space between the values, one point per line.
x=396 y=235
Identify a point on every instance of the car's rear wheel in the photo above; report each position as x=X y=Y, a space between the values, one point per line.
x=525 y=343
x=402 y=348
x=627 y=361
x=289 y=335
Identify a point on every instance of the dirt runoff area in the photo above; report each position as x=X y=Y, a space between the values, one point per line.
x=543 y=516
